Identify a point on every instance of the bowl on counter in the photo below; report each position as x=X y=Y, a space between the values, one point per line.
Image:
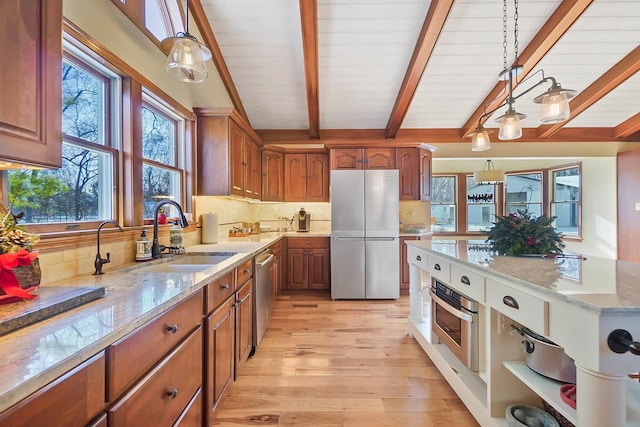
x=521 y=415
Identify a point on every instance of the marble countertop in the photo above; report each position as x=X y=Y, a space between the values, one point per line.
x=598 y=284
x=35 y=355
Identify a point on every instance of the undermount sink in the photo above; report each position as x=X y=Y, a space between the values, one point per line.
x=203 y=259
x=189 y=263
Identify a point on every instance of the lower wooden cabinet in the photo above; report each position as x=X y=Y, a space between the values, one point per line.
x=244 y=325
x=164 y=394
x=100 y=421
x=219 y=343
x=308 y=263
x=192 y=415
x=277 y=269
x=72 y=400
x=404 y=265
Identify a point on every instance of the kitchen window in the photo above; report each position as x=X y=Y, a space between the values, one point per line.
x=82 y=190
x=163 y=154
x=443 y=204
x=157 y=19
x=481 y=205
x=566 y=188
x=524 y=192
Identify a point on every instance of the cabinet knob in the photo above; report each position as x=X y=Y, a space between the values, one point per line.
x=245 y=271
x=172 y=393
x=225 y=286
x=172 y=328
x=418 y=258
x=310 y=253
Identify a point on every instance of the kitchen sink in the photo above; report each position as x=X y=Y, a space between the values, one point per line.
x=174 y=267
x=203 y=259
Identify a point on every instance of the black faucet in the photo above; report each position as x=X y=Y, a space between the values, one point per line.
x=156 y=247
x=99 y=261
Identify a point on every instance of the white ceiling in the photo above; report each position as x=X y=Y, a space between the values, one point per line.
x=365 y=46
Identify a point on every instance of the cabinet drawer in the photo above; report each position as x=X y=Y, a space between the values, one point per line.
x=244 y=273
x=192 y=416
x=439 y=268
x=218 y=291
x=71 y=400
x=136 y=353
x=165 y=392
x=416 y=256
x=467 y=282
x=524 y=308
x=310 y=242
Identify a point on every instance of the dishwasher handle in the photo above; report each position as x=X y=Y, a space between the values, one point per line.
x=266 y=261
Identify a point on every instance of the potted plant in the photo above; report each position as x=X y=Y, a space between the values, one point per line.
x=523 y=234
x=19 y=267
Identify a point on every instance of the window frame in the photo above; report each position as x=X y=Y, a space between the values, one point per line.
x=495 y=204
x=544 y=183
x=456 y=200
x=578 y=203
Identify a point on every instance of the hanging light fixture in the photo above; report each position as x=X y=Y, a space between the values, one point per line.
x=554 y=104
x=187 y=56
x=488 y=175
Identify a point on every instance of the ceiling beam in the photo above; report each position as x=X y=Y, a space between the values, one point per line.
x=309 y=21
x=628 y=127
x=431 y=29
x=200 y=18
x=558 y=23
x=616 y=75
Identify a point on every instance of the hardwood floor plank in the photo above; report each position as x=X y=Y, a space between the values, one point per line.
x=326 y=363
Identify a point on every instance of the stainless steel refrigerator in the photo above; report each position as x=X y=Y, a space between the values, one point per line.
x=365 y=252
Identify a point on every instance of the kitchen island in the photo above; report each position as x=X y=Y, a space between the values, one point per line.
x=575 y=302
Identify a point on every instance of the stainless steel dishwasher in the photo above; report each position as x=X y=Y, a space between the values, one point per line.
x=262 y=299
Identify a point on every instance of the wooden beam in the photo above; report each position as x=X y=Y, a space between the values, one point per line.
x=431 y=29
x=558 y=23
x=616 y=75
x=628 y=127
x=309 y=21
x=200 y=18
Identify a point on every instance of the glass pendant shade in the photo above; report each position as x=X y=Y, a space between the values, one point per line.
x=480 y=140
x=554 y=105
x=186 y=60
x=510 y=127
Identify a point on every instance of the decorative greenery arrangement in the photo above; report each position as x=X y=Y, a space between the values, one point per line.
x=14 y=237
x=521 y=234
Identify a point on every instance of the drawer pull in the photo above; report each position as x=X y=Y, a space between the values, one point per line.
x=418 y=258
x=172 y=393
x=308 y=243
x=225 y=286
x=437 y=267
x=172 y=328
x=510 y=301
x=465 y=280
x=246 y=271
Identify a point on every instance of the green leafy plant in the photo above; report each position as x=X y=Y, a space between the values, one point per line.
x=521 y=234
x=14 y=237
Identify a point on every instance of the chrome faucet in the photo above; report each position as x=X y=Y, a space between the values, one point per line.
x=156 y=247
x=99 y=261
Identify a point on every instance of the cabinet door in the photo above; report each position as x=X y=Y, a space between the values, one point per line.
x=256 y=171
x=71 y=400
x=317 y=177
x=219 y=340
x=425 y=175
x=408 y=165
x=247 y=163
x=346 y=158
x=237 y=164
x=295 y=177
x=272 y=176
x=31 y=83
x=404 y=265
x=318 y=268
x=244 y=332
x=379 y=158
x=297 y=269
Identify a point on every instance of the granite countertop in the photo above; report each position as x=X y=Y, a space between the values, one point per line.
x=598 y=284
x=35 y=355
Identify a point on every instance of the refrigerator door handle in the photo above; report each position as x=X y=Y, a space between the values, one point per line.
x=381 y=239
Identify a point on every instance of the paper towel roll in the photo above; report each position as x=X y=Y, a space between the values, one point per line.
x=209 y=228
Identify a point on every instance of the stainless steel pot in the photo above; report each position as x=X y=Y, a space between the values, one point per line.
x=546 y=357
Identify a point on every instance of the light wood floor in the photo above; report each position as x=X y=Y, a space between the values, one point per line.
x=326 y=363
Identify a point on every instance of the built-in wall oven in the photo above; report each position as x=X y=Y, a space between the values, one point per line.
x=454 y=319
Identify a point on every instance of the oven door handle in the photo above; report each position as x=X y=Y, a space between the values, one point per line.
x=460 y=315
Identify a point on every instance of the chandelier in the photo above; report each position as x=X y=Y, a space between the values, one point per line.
x=187 y=56
x=488 y=175
x=554 y=103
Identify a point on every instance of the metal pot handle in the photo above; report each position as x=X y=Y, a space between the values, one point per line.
x=529 y=346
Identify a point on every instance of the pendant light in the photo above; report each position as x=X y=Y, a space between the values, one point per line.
x=554 y=103
x=488 y=175
x=187 y=56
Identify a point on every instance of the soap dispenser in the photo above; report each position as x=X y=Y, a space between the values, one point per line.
x=175 y=237
x=143 y=247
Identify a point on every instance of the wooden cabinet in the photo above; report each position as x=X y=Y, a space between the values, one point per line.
x=244 y=325
x=272 y=176
x=404 y=265
x=228 y=159
x=277 y=269
x=71 y=400
x=407 y=161
x=425 y=174
x=219 y=346
x=363 y=158
x=308 y=263
x=306 y=177
x=31 y=83
x=164 y=394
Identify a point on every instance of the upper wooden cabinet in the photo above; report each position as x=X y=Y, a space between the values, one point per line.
x=272 y=176
x=363 y=158
x=306 y=177
x=407 y=160
x=31 y=82
x=425 y=174
x=228 y=159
